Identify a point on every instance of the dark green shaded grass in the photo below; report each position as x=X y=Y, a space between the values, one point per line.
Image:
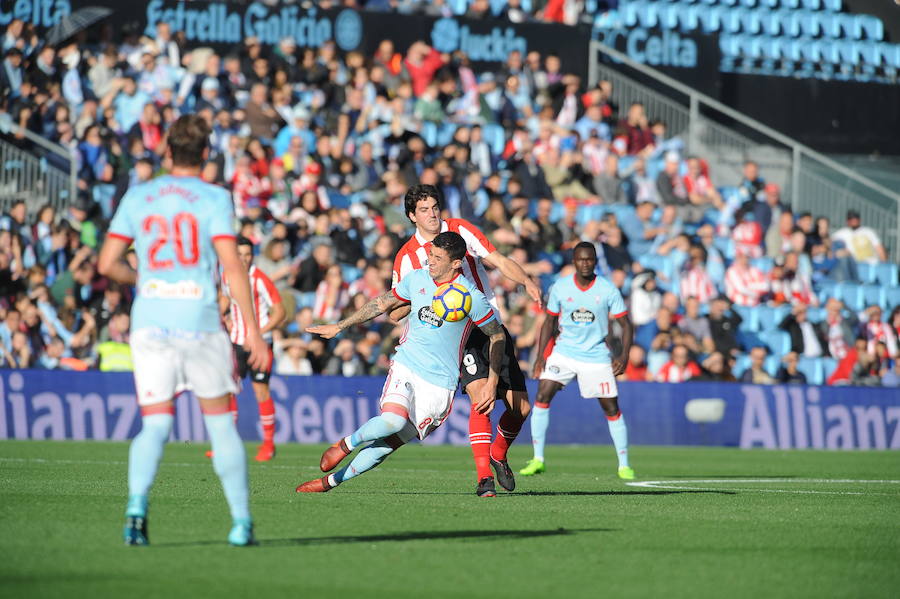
x=414 y=528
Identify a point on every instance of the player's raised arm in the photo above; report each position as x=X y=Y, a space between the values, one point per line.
x=514 y=271
x=239 y=284
x=385 y=302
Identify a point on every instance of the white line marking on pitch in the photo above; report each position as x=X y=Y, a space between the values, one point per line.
x=679 y=485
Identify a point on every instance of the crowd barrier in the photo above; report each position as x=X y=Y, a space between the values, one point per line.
x=37 y=404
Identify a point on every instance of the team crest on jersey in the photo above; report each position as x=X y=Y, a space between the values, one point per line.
x=583 y=316
x=428 y=316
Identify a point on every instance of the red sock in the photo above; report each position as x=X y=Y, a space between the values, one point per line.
x=480 y=438
x=232 y=407
x=267 y=418
x=507 y=430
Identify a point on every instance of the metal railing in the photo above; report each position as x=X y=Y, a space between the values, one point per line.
x=809 y=180
x=29 y=175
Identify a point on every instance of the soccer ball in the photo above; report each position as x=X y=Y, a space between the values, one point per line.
x=451 y=302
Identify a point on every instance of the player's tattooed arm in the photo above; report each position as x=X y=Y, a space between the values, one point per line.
x=383 y=303
x=498 y=346
x=487 y=393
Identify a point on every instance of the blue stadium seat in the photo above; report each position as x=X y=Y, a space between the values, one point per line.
x=768 y=3
x=815 y=314
x=828 y=367
x=749 y=318
x=886 y=274
x=771 y=316
x=866 y=272
x=731 y=20
x=669 y=16
x=458 y=7
x=869 y=27
x=750 y=3
x=778 y=342
x=749 y=339
x=893 y=297
x=790 y=22
x=656 y=360
x=810 y=25
x=445 y=133
x=827 y=289
x=812 y=368
x=495 y=136
x=852 y=295
x=832 y=5
x=648 y=15
x=764 y=264
x=429 y=133
x=771 y=364
x=711 y=20
x=741 y=364
x=874 y=295
x=812 y=5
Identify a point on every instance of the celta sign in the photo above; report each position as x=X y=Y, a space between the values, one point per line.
x=653 y=47
x=42 y=13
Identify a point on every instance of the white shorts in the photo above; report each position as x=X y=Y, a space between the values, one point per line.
x=167 y=363
x=428 y=404
x=594 y=380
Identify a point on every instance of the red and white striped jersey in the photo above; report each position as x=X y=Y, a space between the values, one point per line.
x=264 y=295
x=880 y=331
x=671 y=373
x=745 y=286
x=748 y=237
x=414 y=255
x=696 y=283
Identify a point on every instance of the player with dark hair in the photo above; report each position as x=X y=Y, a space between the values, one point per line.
x=423 y=207
x=270 y=313
x=181 y=228
x=418 y=393
x=578 y=309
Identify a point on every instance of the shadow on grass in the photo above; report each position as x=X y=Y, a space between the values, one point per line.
x=614 y=493
x=419 y=535
x=724 y=477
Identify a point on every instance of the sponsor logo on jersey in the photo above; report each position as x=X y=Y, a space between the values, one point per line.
x=428 y=316
x=158 y=289
x=583 y=316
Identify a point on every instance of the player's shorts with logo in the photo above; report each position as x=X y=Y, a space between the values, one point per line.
x=428 y=404
x=167 y=362
x=241 y=357
x=476 y=362
x=594 y=379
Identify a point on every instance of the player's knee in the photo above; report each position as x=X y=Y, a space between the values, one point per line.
x=395 y=422
x=394 y=441
x=610 y=405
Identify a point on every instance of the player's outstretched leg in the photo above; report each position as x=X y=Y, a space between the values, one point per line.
x=379 y=427
x=619 y=433
x=368 y=458
x=143 y=460
x=507 y=430
x=230 y=464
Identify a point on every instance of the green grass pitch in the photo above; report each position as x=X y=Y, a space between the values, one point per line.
x=414 y=528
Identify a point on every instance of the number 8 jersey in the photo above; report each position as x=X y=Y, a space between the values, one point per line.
x=173 y=222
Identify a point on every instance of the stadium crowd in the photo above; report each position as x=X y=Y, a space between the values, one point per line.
x=319 y=148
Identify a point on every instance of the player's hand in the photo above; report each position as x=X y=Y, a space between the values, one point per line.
x=256 y=346
x=484 y=403
x=538 y=368
x=326 y=331
x=534 y=292
x=618 y=366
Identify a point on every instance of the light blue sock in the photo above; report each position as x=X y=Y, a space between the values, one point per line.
x=143 y=460
x=619 y=433
x=364 y=461
x=379 y=427
x=230 y=463
x=540 y=420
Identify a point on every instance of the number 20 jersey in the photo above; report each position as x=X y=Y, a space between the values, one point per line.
x=173 y=222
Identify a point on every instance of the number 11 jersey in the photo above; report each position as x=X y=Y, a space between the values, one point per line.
x=173 y=222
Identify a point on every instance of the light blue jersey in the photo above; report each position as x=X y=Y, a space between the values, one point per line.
x=432 y=348
x=584 y=317
x=173 y=222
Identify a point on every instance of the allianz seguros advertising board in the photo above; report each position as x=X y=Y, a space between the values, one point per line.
x=41 y=404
